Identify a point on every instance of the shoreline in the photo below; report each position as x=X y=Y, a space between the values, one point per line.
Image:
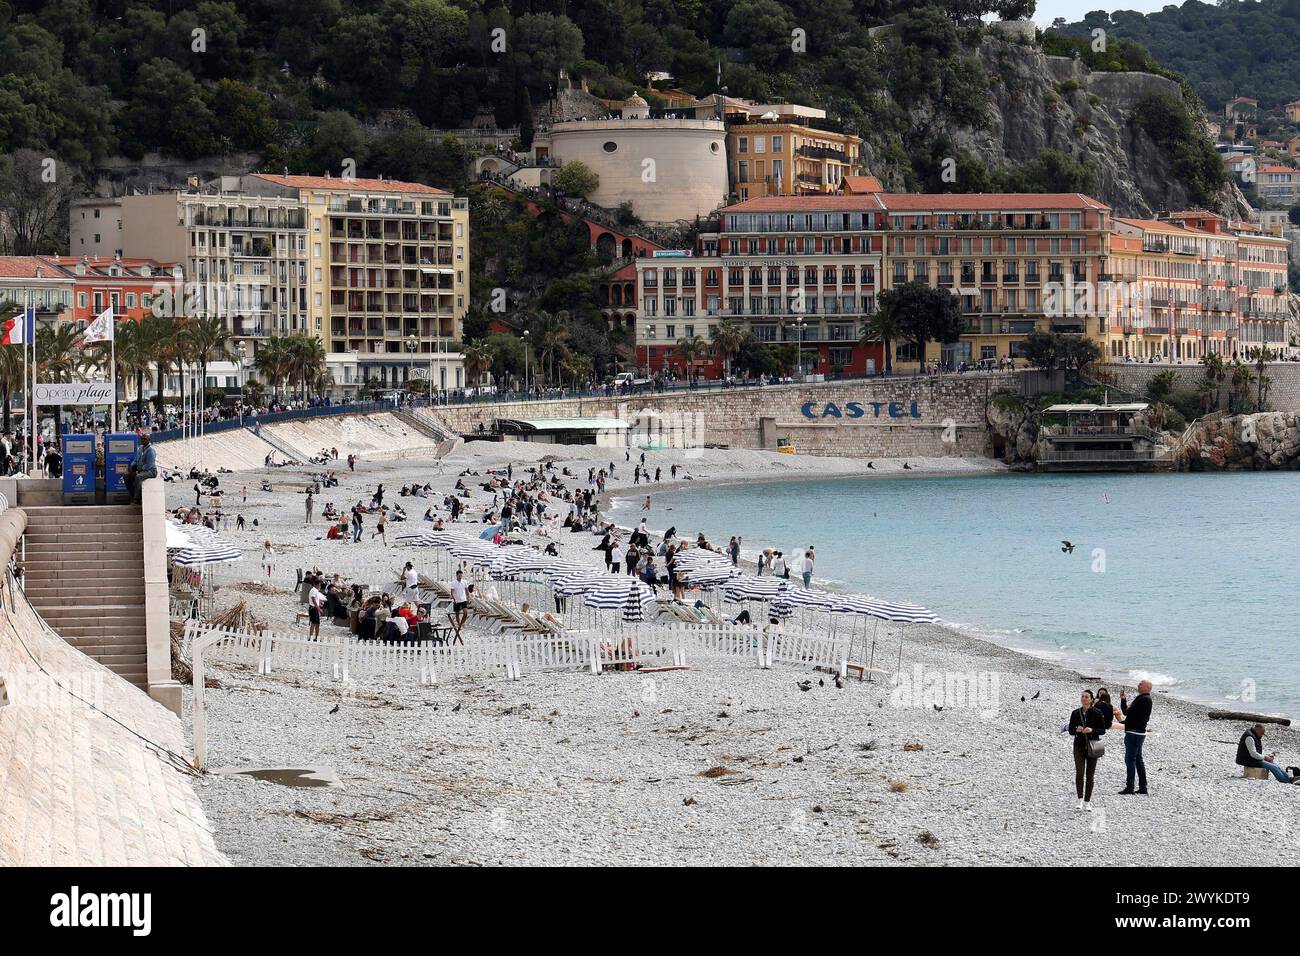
x=1106 y=673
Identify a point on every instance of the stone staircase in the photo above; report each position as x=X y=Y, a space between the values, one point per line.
x=84 y=575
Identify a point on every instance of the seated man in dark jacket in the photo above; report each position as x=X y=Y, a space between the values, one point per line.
x=1250 y=753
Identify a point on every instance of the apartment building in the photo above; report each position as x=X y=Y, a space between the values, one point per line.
x=771 y=154
x=378 y=270
x=1278 y=185
x=1017 y=262
x=388 y=269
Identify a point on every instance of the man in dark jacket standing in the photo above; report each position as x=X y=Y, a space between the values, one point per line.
x=1136 y=716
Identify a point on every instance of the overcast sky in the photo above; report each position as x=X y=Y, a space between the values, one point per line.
x=1072 y=10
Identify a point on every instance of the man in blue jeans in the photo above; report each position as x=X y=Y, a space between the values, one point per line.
x=1136 y=716
x=1250 y=753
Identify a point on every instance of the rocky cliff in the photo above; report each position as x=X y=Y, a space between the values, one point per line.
x=1038 y=102
x=1264 y=441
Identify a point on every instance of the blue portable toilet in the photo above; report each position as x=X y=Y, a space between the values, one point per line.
x=119 y=451
x=78 y=469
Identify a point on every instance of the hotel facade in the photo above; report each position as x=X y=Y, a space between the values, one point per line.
x=809 y=269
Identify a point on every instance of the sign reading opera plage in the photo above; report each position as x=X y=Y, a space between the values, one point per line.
x=73 y=393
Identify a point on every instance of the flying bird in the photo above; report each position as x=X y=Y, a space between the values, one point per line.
x=1036 y=693
x=1067 y=547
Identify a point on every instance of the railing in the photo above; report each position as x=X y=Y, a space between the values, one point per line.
x=1117 y=455
x=1086 y=431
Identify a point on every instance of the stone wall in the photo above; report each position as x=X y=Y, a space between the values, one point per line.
x=923 y=417
x=1283 y=393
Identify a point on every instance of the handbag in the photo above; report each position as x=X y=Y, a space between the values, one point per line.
x=1093 y=749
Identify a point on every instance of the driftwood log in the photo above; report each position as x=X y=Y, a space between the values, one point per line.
x=1253 y=718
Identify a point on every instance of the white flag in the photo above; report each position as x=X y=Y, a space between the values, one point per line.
x=101 y=330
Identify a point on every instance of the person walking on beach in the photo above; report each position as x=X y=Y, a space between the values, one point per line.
x=807 y=568
x=310 y=505
x=1136 y=716
x=615 y=557
x=733 y=549
x=380 y=527
x=268 y=557
x=1087 y=724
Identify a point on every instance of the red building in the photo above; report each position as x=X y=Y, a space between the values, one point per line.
x=127 y=284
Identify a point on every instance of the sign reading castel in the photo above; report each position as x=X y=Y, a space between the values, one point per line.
x=862 y=410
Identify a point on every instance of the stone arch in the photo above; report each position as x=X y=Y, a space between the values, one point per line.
x=606 y=245
x=627 y=248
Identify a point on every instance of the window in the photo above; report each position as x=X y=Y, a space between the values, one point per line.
x=744 y=145
x=610 y=146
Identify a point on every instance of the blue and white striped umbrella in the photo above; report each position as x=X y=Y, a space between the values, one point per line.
x=886 y=611
x=478 y=552
x=202 y=554
x=805 y=598
x=431 y=539
x=575 y=583
x=747 y=588
x=616 y=591
x=703 y=567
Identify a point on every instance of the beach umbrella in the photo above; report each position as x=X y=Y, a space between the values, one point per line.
x=885 y=611
x=205 y=554
x=575 y=583
x=176 y=537
x=746 y=588
x=613 y=591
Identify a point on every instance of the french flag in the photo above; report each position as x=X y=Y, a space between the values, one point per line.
x=19 y=330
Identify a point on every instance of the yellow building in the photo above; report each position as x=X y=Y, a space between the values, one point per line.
x=388 y=267
x=777 y=151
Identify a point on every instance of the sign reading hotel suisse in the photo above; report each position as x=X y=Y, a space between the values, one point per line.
x=862 y=410
x=73 y=393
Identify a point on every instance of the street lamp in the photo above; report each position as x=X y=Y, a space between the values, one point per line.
x=525 y=363
x=242 y=358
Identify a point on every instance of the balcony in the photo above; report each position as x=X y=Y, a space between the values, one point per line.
x=822 y=152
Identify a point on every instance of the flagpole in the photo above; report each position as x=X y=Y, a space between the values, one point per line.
x=112 y=364
x=27 y=395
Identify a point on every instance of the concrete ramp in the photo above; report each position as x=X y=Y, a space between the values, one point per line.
x=238 y=449
x=377 y=436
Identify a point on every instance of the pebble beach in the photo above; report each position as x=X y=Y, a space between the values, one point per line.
x=723 y=762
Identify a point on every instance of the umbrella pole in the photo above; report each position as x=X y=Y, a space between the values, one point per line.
x=901 y=632
x=872 y=660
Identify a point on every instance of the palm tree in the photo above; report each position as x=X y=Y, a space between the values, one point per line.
x=728 y=337
x=1261 y=356
x=1207 y=390
x=690 y=350
x=305 y=359
x=477 y=358
x=1242 y=377
x=163 y=335
x=552 y=338
x=882 y=326
x=274 y=362
x=1215 y=371
x=208 y=340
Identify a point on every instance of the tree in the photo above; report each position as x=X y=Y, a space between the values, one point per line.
x=208 y=340
x=727 y=340
x=58 y=359
x=689 y=349
x=33 y=209
x=575 y=178
x=478 y=360
x=923 y=314
x=882 y=326
x=551 y=334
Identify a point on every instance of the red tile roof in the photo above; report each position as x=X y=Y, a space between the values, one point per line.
x=351 y=185
x=863 y=184
x=980 y=202
x=920 y=202
x=1277 y=169
x=1162 y=225
x=24 y=267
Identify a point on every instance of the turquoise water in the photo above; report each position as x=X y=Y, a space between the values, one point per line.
x=1192 y=580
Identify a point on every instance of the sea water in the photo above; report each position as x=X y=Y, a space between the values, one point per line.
x=1191 y=580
